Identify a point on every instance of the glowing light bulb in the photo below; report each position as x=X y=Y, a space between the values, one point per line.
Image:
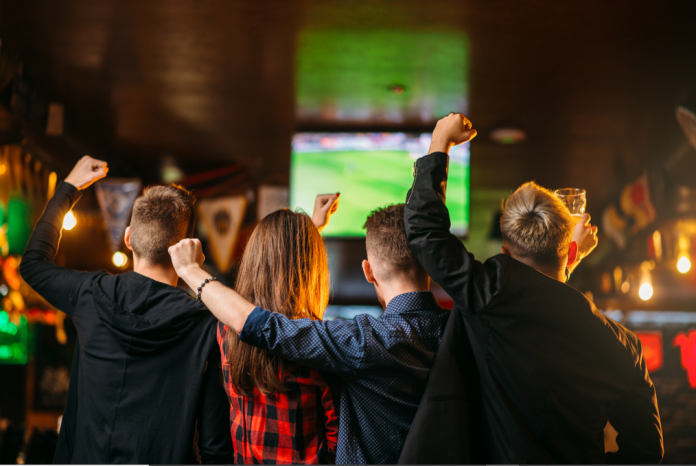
x=625 y=287
x=646 y=291
x=119 y=259
x=69 y=221
x=683 y=264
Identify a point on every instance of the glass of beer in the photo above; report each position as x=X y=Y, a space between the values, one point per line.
x=576 y=201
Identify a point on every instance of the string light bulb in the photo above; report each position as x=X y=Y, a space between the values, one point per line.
x=683 y=264
x=119 y=259
x=646 y=291
x=69 y=221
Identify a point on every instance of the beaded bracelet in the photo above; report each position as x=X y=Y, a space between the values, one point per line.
x=200 y=288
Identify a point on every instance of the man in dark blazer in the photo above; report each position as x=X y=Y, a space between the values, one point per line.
x=528 y=371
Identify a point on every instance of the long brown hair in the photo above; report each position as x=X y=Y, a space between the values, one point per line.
x=284 y=269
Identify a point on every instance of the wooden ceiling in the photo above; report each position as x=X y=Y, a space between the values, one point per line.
x=594 y=84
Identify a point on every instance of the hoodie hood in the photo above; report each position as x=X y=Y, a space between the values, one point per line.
x=145 y=315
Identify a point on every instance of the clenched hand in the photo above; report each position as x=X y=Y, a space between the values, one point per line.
x=324 y=206
x=185 y=254
x=86 y=171
x=450 y=131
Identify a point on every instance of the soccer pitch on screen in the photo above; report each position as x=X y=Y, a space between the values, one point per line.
x=370 y=170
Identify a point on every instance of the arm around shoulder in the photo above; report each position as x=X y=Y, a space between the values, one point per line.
x=337 y=346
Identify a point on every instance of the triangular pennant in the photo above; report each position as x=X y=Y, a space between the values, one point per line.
x=116 y=197
x=222 y=219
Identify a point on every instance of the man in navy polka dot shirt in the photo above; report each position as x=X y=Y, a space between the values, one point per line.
x=383 y=363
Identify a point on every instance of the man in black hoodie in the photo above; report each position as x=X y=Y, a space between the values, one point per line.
x=146 y=379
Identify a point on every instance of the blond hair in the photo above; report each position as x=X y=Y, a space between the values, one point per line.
x=536 y=225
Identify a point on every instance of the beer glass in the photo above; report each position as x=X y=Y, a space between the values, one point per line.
x=576 y=201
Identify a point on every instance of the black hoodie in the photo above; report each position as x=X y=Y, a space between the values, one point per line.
x=145 y=385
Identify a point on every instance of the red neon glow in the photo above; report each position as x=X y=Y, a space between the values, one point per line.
x=687 y=344
x=652 y=349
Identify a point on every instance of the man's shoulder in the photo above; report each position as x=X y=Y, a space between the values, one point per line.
x=146 y=298
x=414 y=316
x=500 y=265
x=626 y=337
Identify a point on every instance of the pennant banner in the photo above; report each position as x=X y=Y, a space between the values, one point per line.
x=116 y=197
x=222 y=219
x=271 y=198
x=633 y=212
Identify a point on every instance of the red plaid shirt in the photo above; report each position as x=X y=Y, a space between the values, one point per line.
x=298 y=426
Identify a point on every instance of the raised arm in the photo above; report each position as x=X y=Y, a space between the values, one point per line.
x=56 y=284
x=470 y=284
x=637 y=420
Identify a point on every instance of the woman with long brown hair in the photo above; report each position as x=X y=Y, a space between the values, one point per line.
x=280 y=412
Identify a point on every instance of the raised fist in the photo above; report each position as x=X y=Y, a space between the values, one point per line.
x=324 y=206
x=186 y=253
x=86 y=171
x=452 y=130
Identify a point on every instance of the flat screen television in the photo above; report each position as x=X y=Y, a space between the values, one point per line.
x=370 y=170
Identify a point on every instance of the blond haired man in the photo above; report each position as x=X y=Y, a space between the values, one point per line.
x=528 y=371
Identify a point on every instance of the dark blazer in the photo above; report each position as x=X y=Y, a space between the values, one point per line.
x=552 y=369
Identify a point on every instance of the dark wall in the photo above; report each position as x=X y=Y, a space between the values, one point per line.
x=13 y=380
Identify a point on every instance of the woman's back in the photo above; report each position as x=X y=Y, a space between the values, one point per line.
x=299 y=425
x=280 y=413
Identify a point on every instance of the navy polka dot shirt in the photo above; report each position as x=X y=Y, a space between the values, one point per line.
x=383 y=365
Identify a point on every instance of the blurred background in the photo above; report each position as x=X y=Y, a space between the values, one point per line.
x=261 y=105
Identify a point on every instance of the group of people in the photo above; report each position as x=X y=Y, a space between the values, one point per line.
x=523 y=369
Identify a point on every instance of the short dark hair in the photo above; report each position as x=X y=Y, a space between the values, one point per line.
x=162 y=216
x=387 y=244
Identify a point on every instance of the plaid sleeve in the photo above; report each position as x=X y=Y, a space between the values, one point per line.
x=329 y=387
x=222 y=332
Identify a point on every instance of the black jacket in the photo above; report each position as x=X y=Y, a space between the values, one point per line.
x=146 y=375
x=551 y=368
